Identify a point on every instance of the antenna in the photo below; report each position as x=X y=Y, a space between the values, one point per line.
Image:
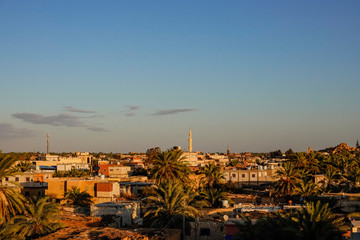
x=47 y=143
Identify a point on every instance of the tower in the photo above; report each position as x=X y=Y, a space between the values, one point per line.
x=190 y=141
x=47 y=143
x=228 y=150
x=357 y=144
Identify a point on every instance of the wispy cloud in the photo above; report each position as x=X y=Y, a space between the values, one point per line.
x=130 y=114
x=97 y=129
x=173 y=111
x=8 y=131
x=76 y=110
x=131 y=110
x=62 y=119
x=132 y=107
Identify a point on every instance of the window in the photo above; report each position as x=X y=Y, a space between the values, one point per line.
x=104 y=170
x=111 y=170
x=204 y=231
x=7 y=179
x=39 y=193
x=28 y=179
x=253 y=175
x=27 y=194
x=233 y=175
x=243 y=175
x=16 y=179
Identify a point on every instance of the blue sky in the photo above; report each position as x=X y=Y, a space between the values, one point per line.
x=125 y=76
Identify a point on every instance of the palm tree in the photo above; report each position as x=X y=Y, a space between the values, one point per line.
x=316 y=221
x=40 y=218
x=168 y=165
x=331 y=174
x=11 y=201
x=75 y=197
x=168 y=205
x=288 y=177
x=307 y=188
x=233 y=163
x=352 y=175
x=213 y=176
x=213 y=196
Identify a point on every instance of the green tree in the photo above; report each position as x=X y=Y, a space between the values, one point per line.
x=78 y=198
x=288 y=177
x=213 y=196
x=41 y=217
x=213 y=176
x=168 y=204
x=25 y=166
x=317 y=222
x=307 y=188
x=168 y=165
x=233 y=163
x=11 y=201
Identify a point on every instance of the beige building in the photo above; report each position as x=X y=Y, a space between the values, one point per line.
x=249 y=177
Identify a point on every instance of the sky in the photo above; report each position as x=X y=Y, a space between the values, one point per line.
x=121 y=76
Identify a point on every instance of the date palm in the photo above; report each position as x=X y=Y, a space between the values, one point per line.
x=11 y=201
x=307 y=188
x=288 y=176
x=317 y=222
x=41 y=217
x=213 y=196
x=78 y=198
x=168 y=165
x=213 y=176
x=166 y=207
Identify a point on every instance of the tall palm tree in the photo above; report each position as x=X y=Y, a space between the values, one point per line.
x=78 y=198
x=288 y=177
x=213 y=176
x=168 y=205
x=317 y=222
x=331 y=174
x=213 y=196
x=352 y=175
x=307 y=188
x=11 y=201
x=40 y=218
x=168 y=165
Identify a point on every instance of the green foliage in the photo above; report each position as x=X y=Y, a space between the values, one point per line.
x=72 y=173
x=213 y=175
x=77 y=197
x=25 y=166
x=11 y=201
x=213 y=196
x=288 y=177
x=315 y=221
x=168 y=203
x=167 y=166
x=40 y=218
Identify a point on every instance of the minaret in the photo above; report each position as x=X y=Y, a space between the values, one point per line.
x=357 y=144
x=47 y=143
x=190 y=141
x=228 y=150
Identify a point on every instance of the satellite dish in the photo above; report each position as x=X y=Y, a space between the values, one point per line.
x=226 y=217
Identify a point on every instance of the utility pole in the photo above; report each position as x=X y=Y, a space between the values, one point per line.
x=47 y=143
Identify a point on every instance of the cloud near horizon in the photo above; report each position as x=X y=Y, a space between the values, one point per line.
x=131 y=110
x=8 y=131
x=72 y=109
x=173 y=111
x=62 y=119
